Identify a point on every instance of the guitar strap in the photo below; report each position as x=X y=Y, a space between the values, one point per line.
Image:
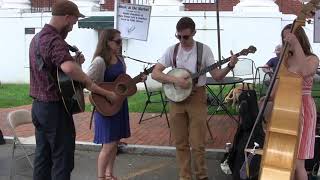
x=199 y=57
x=40 y=62
x=91 y=117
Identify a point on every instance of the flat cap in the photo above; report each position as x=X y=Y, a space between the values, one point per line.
x=65 y=7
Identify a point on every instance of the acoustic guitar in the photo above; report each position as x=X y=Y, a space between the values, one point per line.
x=123 y=86
x=177 y=94
x=71 y=91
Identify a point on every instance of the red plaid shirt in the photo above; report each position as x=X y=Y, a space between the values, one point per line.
x=54 y=51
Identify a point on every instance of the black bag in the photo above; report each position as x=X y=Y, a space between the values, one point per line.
x=248 y=113
x=2 y=141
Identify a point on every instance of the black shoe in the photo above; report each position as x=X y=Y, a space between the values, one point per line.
x=2 y=141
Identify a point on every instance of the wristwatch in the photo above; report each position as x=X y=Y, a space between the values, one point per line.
x=229 y=66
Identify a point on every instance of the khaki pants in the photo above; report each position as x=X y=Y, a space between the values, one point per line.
x=188 y=126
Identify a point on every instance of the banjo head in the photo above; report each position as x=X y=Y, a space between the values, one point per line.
x=175 y=93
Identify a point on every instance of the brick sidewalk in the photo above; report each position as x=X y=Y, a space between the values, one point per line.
x=151 y=132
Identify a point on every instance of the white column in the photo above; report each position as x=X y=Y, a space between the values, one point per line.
x=166 y=5
x=15 y=4
x=256 y=6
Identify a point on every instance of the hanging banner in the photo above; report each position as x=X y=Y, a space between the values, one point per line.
x=133 y=21
x=316 y=32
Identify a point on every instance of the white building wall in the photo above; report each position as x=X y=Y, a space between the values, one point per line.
x=238 y=31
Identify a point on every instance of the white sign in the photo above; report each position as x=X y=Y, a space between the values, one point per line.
x=133 y=21
x=316 y=31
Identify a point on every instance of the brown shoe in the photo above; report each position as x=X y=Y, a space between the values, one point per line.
x=111 y=177
x=206 y=178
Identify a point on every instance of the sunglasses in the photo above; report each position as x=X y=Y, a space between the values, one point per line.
x=118 y=41
x=186 y=37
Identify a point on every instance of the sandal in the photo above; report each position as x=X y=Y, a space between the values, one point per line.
x=111 y=177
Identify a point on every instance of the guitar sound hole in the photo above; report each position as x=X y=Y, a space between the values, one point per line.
x=122 y=89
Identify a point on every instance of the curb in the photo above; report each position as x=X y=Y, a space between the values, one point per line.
x=138 y=149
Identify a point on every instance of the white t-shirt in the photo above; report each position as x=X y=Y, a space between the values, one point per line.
x=188 y=60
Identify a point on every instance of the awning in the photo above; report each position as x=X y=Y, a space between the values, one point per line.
x=97 y=22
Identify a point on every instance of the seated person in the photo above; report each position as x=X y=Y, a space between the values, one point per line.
x=271 y=65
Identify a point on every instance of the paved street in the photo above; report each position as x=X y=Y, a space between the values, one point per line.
x=128 y=167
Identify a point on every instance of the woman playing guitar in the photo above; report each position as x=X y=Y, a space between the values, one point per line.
x=107 y=66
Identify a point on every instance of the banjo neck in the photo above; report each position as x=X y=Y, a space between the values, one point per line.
x=213 y=66
x=136 y=79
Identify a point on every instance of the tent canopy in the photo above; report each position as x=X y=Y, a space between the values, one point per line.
x=97 y=22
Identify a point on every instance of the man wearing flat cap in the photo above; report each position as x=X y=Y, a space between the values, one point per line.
x=55 y=131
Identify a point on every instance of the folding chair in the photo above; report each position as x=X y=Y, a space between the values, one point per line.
x=16 y=119
x=153 y=89
x=266 y=78
x=246 y=70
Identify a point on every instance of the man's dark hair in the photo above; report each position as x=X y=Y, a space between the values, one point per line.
x=185 y=23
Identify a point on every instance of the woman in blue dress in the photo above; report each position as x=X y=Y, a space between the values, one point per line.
x=106 y=66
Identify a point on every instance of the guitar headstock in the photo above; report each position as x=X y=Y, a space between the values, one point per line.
x=148 y=71
x=251 y=49
x=73 y=48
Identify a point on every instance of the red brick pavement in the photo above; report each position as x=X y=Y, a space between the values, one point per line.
x=150 y=132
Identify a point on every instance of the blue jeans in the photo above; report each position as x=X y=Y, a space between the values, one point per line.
x=55 y=141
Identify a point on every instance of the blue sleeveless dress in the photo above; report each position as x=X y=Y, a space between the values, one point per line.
x=112 y=128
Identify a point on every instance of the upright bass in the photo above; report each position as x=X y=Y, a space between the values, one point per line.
x=283 y=132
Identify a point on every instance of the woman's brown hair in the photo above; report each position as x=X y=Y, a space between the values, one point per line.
x=302 y=38
x=103 y=50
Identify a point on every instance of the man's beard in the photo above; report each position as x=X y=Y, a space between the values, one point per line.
x=64 y=31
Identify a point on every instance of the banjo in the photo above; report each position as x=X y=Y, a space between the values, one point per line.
x=178 y=94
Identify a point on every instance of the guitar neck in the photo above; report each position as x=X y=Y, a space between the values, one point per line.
x=213 y=66
x=136 y=79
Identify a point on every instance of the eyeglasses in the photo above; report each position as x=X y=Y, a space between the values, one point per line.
x=118 y=41
x=186 y=37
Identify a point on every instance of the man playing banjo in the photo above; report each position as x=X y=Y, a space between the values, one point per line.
x=188 y=117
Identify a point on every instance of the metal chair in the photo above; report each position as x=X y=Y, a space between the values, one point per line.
x=246 y=70
x=153 y=89
x=316 y=88
x=264 y=81
x=17 y=118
